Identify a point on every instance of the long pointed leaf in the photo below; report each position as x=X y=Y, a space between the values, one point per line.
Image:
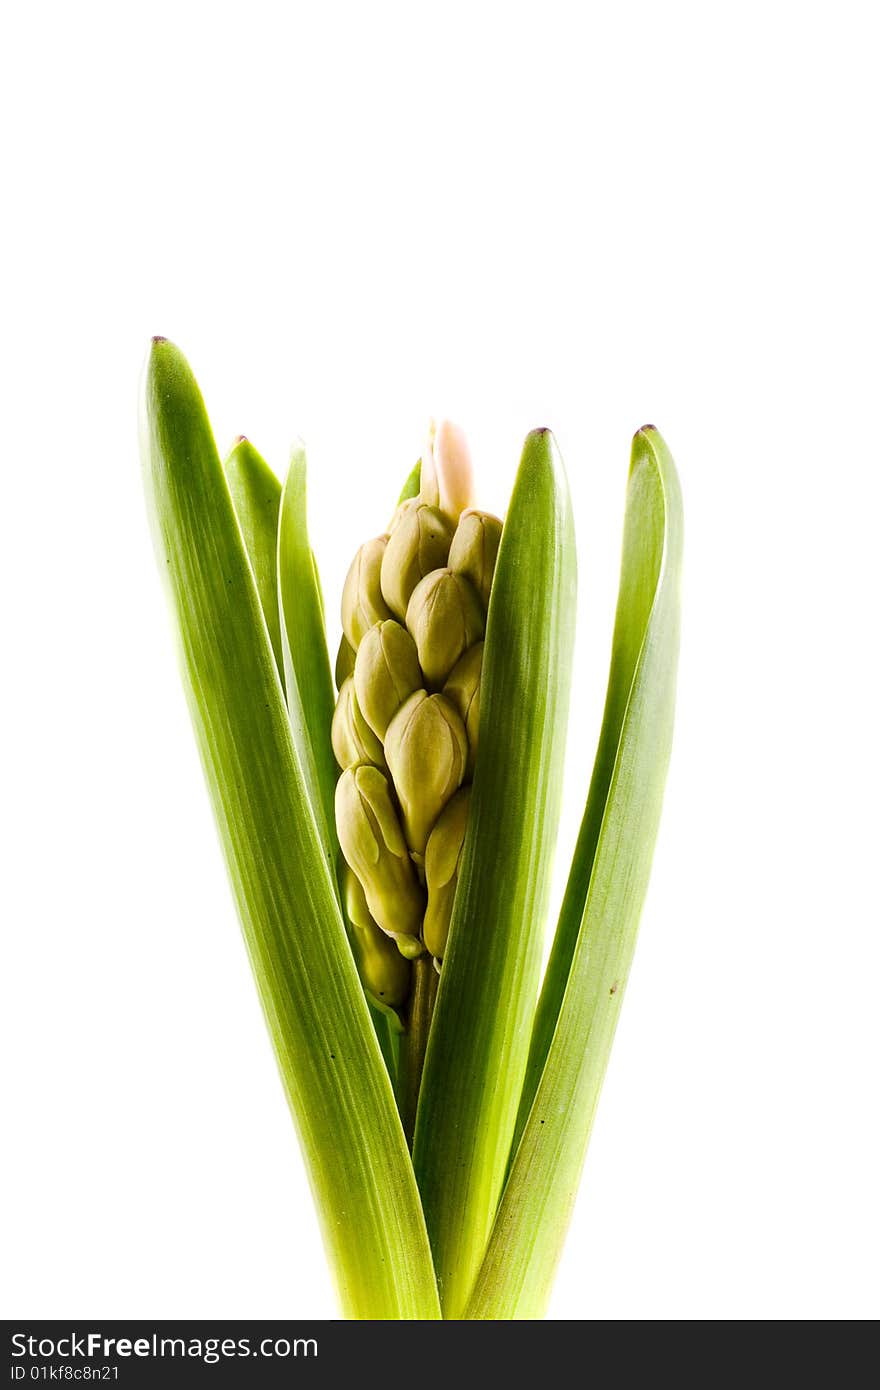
x=642 y=558
x=597 y=933
x=478 y=1045
x=307 y=675
x=256 y=496
x=327 y=1052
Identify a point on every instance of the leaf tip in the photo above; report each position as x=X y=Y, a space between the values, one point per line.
x=542 y=453
x=648 y=442
x=163 y=350
x=165 y=359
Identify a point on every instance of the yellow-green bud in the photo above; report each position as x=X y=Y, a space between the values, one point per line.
x=445 y=618
x=402 y=510
x=352 y=738
x=373 y=845
x=474 y=550
x=344 y=662
x=426 y=749
x=384 y=973
x=386 y=673
x=362 y=601
x=419 y=542
x=463 y=689
x=442 y=863
x=410 y=947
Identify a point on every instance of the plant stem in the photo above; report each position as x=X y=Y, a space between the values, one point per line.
x=414 y=1041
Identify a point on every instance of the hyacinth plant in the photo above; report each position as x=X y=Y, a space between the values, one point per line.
x=389 y=845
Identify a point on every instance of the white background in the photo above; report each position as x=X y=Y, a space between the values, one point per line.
x=351 y=217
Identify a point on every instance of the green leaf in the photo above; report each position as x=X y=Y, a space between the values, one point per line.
x=412 y=484
x=328 y=1056
x=596 y=937
x=478 y=1045
x=256 y=496
x=308 y=681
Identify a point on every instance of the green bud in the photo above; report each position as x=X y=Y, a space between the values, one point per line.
x=463 y=689
x=402 y=510
x=419 y=543
x=362 y=601
x=344 y=662
x=386 y=673
x=474 y=550
x=373 y=845
x=445 y=618
x=384 y=973
x=442 y=864
x=352 y=738
x=410 y=947
x=426 y=749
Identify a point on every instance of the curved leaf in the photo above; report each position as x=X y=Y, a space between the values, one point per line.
x=308 y=681
x=478 y=1045
x=590 y=964
x=315 y=1010
x=256 y=496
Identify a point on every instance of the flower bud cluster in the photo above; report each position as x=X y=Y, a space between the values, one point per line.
x=406 y=723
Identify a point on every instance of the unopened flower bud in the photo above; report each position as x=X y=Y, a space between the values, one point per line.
x=373 y=845
x=463 y=689
x=445 y=618
x=447 y=476
x=474 y=550
x=403 y=510
x=426 y=749
x=384 y=973
x=352 y=738
x=386 y=673
x=410 y=947
x=362 y=601
x=442 y=864
x=418 y=544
